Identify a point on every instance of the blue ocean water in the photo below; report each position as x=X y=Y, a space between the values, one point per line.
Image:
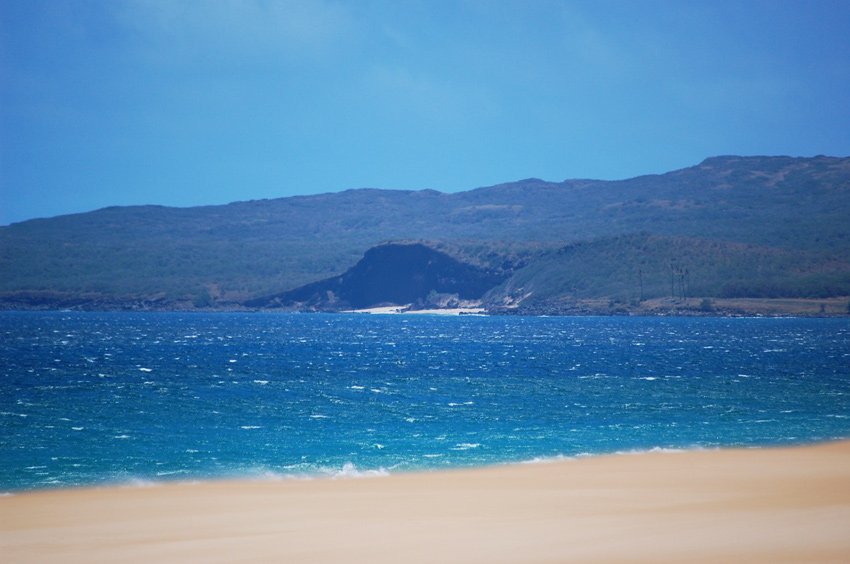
x=102 y=398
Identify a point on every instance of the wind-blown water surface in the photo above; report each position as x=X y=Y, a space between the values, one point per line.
x=92 y=398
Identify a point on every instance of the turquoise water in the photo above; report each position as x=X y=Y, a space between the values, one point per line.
x=102 y=398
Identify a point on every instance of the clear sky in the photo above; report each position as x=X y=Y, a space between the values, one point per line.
x=118 y=102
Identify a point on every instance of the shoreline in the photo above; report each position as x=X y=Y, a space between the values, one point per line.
x=817 y=308
x=751 y=505
x=349 y=471
x=406 y=310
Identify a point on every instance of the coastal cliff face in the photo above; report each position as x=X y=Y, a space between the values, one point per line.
x=395 y=274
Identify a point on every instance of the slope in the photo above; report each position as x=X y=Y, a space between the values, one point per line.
x=220 y=255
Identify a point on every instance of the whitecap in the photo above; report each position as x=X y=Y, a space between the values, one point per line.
x=465 y=446
x=548 y=459
x=171 y=472
x=250 y=427
x=143 y=369
x=349 y=470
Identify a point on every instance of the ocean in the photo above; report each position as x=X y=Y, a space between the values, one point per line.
x=120 y=398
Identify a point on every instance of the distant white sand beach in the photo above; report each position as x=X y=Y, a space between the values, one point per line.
x=406 y=309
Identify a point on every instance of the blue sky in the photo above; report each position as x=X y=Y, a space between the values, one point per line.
x=187 y=103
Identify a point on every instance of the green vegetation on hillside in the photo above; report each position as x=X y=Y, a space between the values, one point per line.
x=633 y=268
x=741 y=226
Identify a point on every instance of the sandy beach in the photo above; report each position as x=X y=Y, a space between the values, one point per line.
x=759 y=505
x=406 y=310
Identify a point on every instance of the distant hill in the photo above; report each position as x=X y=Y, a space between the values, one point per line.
x=740 y=226
x=389 y=274
x=632 y=268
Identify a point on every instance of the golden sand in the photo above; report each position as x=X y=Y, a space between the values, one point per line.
x=760 y=505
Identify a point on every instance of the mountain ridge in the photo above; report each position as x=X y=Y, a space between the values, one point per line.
x=225 y=255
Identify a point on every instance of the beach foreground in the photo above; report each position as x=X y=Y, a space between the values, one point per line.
x=760 y=505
